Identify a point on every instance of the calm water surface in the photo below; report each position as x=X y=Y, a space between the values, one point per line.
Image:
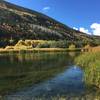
x=43 y=75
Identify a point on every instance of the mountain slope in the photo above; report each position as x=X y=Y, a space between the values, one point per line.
x=21 y=23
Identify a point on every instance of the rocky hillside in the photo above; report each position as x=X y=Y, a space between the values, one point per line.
x=20 y=23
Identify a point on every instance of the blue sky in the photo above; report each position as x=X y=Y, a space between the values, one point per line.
x=83 y=15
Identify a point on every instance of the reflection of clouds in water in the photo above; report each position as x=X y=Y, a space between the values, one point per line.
x=67 y=83
x=48 y=88
x=75 y=67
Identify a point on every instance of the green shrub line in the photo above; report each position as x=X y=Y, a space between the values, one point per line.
x=40 y=46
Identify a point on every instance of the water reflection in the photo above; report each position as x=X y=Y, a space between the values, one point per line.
x=21 y=70
x=47 y=75
x=68 y=82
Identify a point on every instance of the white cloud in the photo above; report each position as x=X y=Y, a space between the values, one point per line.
x=46 y=8
x=95 y=28
x=75 y=28
x=82 y=29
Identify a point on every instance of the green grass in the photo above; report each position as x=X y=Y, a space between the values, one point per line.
x=90 y=62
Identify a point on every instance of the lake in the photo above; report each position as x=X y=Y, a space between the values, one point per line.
x=45 y=75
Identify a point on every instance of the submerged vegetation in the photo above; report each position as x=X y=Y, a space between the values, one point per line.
x=90 y=62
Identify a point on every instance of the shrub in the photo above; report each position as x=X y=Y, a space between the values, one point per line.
x=28 y=42
x=72 y=46
x=20 y=43
x=9 y=47
x=43 y=45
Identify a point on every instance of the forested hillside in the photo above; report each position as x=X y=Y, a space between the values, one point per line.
x=20 y=23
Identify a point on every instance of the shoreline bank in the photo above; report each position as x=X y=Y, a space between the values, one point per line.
x=38 y=50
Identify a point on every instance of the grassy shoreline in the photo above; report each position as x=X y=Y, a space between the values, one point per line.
x=38 y=50
x=90 y=62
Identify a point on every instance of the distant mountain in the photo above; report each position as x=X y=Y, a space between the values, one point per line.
x=21 y=23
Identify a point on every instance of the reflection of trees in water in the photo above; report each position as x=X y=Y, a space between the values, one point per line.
x=21 y=63
x=72 y=54
x=20 y=70
x=38 y=56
